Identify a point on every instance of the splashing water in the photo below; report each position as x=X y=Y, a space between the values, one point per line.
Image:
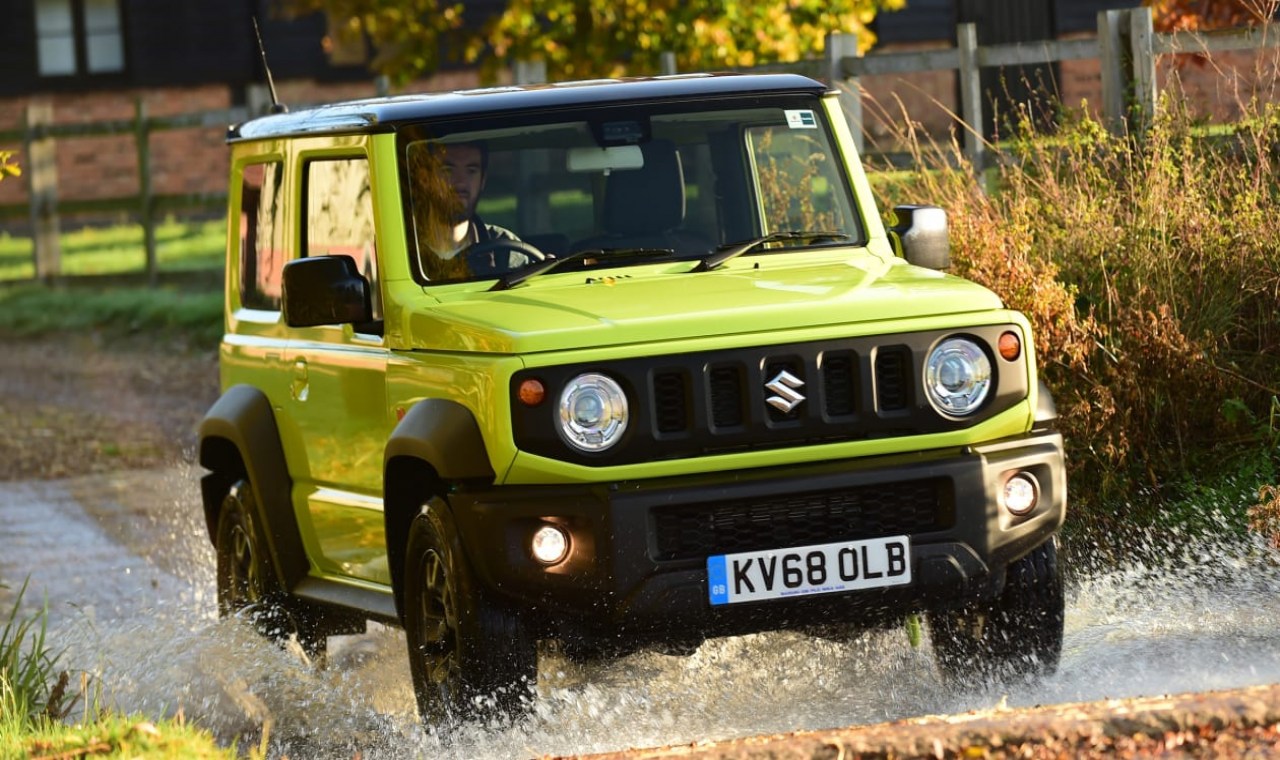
x=130 y=589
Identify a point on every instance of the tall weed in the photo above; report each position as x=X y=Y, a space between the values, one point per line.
x=1150 y=268
x=31 y=686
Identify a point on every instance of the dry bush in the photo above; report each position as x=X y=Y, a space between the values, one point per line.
x=1149 y=269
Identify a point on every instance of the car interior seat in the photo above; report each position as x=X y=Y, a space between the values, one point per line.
x=645 y=207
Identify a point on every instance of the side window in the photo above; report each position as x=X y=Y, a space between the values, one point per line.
x=340 y=216
x=262 y=252
x=798 y=184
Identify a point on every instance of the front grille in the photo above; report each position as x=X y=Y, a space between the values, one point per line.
x=726 y=396
x=740 y=525
x=734 y=400
x=838 y=375
x=892 y=388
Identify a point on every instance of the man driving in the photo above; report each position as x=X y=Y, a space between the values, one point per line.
x=463 y=167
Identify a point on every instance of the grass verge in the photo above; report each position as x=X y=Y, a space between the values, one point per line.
x=184 y=315
x=35 y=702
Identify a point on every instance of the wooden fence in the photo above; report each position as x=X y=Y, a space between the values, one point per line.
x=1125 y=45
x=39 y=137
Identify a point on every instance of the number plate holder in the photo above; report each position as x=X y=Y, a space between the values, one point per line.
x=808 y=570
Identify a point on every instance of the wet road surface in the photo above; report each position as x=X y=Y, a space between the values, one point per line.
x=128 y=573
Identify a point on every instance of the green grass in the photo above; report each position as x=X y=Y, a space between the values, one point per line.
x=111 y=735
x=35 y=700
x=193 y=315
x=28 y=669
x=180 y=246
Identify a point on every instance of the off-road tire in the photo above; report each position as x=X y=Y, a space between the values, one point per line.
x=470 y=660
x=247 y=583
x=1016 y=636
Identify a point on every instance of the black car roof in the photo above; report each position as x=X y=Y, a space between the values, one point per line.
x=384 y=114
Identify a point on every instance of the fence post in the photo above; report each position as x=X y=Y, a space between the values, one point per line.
x=146 y=205
x=667 y=63
x=839 y=46
x=42 y=189
x=971 y=95
x=530 y=72
x=1142 y=43
x=1112 y=32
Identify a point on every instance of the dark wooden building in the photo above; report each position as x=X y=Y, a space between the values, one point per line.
x=76 y=45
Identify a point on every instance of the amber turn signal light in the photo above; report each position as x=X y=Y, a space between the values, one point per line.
x=531 y=392
x=1010 y=346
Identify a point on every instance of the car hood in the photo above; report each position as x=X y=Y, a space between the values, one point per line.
x=645 y=304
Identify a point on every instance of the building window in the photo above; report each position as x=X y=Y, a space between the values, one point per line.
x=79 y=37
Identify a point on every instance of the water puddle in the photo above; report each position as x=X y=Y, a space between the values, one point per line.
x=136 y=607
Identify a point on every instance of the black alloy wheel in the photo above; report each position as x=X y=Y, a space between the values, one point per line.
x=247 y=584
x=470 y=659
x=1017 y=636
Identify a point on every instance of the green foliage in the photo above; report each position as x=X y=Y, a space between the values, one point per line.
x=121 y=736
x=1151 y=273
x=31 y=688
x=588 y=38
x=156 y=312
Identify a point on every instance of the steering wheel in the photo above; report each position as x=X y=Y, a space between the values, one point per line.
x=484 y=260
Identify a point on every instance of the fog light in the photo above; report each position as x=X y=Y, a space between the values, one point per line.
x=1021 y=492
x=550 y=544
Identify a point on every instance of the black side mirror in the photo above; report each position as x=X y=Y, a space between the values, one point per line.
x=920 y=235
x=325 y=290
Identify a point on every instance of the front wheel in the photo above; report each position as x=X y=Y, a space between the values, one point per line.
x=247 y=584
x=469 y=659
x=1017 y=635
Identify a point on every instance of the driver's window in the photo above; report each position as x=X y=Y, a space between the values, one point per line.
x=340 y=216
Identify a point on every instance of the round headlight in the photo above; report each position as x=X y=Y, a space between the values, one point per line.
x=957 y=377
x=593 y=412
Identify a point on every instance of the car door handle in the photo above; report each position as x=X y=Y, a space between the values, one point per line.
x=300 y=386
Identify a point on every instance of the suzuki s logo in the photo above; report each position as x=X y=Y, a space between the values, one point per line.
x=785 y=385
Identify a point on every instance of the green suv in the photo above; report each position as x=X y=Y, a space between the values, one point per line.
x=614 y=365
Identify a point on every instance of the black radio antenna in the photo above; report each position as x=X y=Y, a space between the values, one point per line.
x=276 y=105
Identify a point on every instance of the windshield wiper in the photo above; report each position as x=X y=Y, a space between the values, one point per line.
x=734 y=250
x=613 y=255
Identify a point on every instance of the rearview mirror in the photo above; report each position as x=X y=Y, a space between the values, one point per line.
x=595 y=159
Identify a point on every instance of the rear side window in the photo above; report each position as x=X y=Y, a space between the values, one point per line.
x=340 y=216
x=262 y=251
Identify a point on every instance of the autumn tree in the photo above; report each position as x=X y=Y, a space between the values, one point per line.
x=8 y=169
x=588 y=38
x=1205 y=15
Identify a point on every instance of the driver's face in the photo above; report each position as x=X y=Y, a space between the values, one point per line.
x=465 y=171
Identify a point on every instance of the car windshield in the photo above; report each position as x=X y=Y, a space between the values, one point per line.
x=488 y=198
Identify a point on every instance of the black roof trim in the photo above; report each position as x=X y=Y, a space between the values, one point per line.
x=384 y=114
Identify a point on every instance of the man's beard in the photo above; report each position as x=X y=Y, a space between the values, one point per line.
x=461 y=212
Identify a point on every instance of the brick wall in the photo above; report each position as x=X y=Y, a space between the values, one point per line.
x=190 y=160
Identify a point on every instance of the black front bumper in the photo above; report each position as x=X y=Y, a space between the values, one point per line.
x=637 y=567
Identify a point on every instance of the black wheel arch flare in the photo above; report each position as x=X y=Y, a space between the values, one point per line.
x=239 y=438
x=438 y=442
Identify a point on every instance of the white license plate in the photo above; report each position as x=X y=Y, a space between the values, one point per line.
x=804 y=570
